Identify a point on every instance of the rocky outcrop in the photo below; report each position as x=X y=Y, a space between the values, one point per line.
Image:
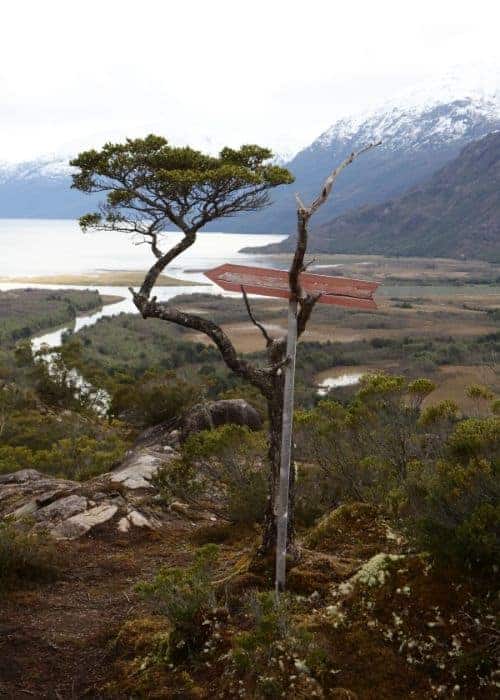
x=80 y=524
x=205 y=416
x=122 y=500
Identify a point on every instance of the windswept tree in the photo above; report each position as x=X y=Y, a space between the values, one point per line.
x=151 y=187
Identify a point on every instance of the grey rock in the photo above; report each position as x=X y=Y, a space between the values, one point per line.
x=26 y=510
x=80 y=524
x=139 y=468
x=156 y=436
x=22 y=476
x=62 y=509
x=213 y=414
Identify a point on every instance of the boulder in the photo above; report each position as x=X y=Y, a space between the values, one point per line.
x=21 y=476
x=206 y=416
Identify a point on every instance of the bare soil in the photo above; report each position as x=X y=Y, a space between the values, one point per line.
x=56 y=639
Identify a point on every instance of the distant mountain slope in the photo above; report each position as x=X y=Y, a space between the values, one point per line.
x=41 y=189
x=455 y=213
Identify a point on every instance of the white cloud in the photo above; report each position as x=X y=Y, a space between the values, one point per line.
x=73 y=74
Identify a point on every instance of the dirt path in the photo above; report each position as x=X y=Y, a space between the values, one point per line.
x=55 y=640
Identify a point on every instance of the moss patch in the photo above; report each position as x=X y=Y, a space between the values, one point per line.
x=353 y=529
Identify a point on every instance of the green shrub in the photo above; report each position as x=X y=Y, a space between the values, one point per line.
x=480 y=395
x=310 y=502
x=362 y=449
x=443 y=413
x=222 y=468
x=476 y=437
x=25 y=557
x=155 y=398
x=77 y=458
x=186 y=596
x=455 y=502
x=436 y=472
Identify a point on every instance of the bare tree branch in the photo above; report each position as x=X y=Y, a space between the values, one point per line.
x=299 y=201
x=306 y=308
x=262 y=329
x=303 y=215
x=151 y=308
x=308 y=264
x=330 y=180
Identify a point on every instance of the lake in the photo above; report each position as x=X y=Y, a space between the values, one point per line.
x=33 y=247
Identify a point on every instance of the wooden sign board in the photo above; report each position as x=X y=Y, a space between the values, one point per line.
x=340 y=291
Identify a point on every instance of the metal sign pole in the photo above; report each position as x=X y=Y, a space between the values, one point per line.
x=338 y=291
x=286 y=449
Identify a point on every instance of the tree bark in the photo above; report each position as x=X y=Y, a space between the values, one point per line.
x=275 y=417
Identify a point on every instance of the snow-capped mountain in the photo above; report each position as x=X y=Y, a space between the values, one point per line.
x=50 y=167
x=421 y=129
x=428 y=113
x=41 y=189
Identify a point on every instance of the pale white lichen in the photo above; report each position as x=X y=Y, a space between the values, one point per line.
x=334 y=612
x=374 y=573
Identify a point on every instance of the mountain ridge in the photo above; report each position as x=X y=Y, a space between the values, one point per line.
x=454 y=213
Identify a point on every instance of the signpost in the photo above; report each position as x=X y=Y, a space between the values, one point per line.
x=339 y=291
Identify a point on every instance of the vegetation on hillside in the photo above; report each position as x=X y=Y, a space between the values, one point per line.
x=24 y=312
x=396 y=511
x=46 y=421
x=394 y=591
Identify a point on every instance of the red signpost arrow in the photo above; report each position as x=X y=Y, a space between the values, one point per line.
x=341 y=291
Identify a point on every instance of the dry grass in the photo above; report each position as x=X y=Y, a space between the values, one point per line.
x=110 y=278
x=248 y=339
x=452 y=381
x=408 y=269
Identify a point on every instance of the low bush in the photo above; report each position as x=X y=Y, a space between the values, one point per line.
x=222 y=469
x=155 y=398
x=25 y=557
x=430 y=471
x=278 y=656
x=186 y=596
x=455 y=502
x=79 y=458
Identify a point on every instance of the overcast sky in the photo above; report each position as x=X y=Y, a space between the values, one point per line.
x=74 y=73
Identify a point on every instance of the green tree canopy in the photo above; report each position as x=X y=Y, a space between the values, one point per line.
x=152 y=185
